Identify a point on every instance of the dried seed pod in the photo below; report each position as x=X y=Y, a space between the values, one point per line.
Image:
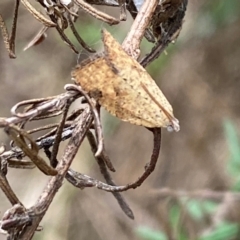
x=124 y=88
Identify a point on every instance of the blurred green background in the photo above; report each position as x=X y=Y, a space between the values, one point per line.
x=200 y=75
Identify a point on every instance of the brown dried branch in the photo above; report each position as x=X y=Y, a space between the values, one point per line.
x=132 y=42
x=166 y=23
x=19 y=137
x=6 y=38
x=95 y=13
x=97 y=122
x=101 y=160
x=6 y=188
x=148 y=168
x=83 y=123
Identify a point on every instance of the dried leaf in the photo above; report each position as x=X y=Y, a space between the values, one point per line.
x=124 y=88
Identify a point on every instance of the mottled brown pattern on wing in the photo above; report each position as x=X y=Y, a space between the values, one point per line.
x=120 y=79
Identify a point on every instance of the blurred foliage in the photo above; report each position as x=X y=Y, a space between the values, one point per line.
x=233 y=142
x=198 y=209
x=222 y=12
x=216 y=14
x=223 y=231
x=212 y=16
x=148 y=234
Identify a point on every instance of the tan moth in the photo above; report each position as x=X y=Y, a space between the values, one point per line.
x=124 y=88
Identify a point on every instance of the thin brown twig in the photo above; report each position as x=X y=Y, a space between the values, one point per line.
x=101 y=162
x=14 y=26
x=6 y=38
x=44 y=201
x=63 y=35
x=148 y=169
x=59 y=131
x=132 y=42
x=41 y=18
x=6 y=188
x=95 y=13
x=19 y=136
x=77 y=36
x=97 y=124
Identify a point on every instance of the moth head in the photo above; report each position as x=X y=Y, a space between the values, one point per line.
x=174 y=126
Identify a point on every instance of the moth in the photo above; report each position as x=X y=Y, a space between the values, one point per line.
x=124 y=88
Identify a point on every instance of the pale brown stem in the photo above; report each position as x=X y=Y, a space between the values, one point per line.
x=132 y=42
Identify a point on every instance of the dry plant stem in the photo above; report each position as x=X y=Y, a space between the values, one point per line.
x=13 y=199
x=59 y=133
x=50 y=114
x=64 y=37
x=77 y=36
x=14 y=219
x=45 y=104
x=53 y=131
x=10 y=41
x=69 y=11
x=170 y=29
x=97 y=122
x=132 y=42
x=81 y=181
x=6 y=38
x=55 y=182
x=46 y=127
x=21 y=164
x=101 y=162
x=110 y=3
x=34 y=111
x=149 y=168
x=14 y=26
x=133 y=11
x=95 y=13
x=18 y=136
x=41 y=18
x=14 y=157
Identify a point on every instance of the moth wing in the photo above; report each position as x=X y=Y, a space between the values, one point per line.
x=150 y=108
x=94 y=75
